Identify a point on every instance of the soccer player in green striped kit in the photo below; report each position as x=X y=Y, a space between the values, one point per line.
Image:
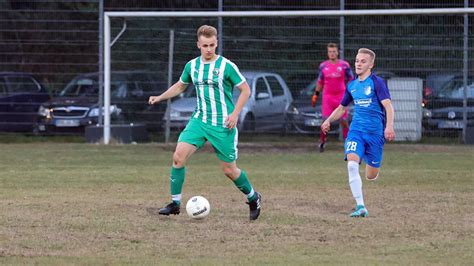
x=214 y=119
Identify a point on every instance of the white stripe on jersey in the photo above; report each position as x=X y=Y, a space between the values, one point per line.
x=211 y=94
x=221 y=91
x=201 y=92
x=236 y=141
x=193 y=69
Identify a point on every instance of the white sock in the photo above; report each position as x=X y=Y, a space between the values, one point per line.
x=355 y=182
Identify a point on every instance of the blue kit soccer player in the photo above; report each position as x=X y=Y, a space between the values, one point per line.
x=371 y=124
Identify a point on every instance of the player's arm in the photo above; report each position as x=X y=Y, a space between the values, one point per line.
x=389 y=131
x=173 y=91
x=316 y=93
x=335 y=115
x=233 y=118
x=319 y=87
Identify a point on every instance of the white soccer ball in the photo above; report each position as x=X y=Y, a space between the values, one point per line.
x=198 y=207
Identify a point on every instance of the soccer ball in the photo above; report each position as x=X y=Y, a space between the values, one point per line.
x=198 y=207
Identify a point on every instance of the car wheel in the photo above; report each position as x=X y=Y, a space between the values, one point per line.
x=287 y=127
x=248 y=124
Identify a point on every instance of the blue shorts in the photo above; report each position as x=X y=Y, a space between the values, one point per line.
x=369 y=147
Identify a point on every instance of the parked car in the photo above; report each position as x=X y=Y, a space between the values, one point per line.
x=21 y=95
x=441 y=81
x=303 y=118
x=77 y=106
x=264 y=111
x=446 y=109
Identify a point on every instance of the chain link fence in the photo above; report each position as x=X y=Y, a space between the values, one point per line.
x=57 y=42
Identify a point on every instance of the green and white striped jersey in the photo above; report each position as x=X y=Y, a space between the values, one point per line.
x=214 y=82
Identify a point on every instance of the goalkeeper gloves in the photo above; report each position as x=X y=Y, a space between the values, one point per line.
x=314 y=98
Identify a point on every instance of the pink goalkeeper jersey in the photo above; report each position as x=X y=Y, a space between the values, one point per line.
x=332 y=78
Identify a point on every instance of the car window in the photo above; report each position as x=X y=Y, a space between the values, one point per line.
x=81 y=86
x=18 y=84
x=260 y=86
x=459 y=93
x=144 y=82
x=452 y=86
x=275 y=86
x=121 y=89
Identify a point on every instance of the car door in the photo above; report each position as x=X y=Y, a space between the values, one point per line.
x=279 y=102
x=263 y=101
x=26 y=95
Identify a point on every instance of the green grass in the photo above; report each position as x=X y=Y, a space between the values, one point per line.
x=72 y=203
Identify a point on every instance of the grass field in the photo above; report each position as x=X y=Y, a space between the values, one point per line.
x=92 y=204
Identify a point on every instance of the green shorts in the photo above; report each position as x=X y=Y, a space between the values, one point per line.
x=223 y=140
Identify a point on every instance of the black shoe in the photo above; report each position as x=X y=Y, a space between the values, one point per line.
x=322 y=146
x=171 y=208
x=254 y=206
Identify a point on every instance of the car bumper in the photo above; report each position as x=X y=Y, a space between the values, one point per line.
x=446 y=124
x=305 y=124
x=66 y=124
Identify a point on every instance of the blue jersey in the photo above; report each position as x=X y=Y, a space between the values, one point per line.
x=369 y=113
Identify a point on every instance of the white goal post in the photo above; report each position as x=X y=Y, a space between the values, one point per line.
x=295 y=13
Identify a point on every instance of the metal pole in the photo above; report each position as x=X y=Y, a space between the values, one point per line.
x=341 y=50
x=341 y=32
x=170 y=80
x=101 y=59
x=106 y=79
x=220 y=35
x=465 y=72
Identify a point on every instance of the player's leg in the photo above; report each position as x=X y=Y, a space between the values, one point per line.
x=241 y=181
x=354 y=151
x=374 y=156
x=225 y=146
x=326 y=110
x=189 y=141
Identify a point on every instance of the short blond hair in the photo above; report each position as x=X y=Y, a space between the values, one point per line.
x=367 y=51
x=206 y=31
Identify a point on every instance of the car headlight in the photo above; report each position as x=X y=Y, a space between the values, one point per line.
x=293 y=110
x=114 y=110
x=427 y=113
x=43 y=111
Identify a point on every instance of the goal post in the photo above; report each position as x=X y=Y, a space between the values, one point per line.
x=243 y=14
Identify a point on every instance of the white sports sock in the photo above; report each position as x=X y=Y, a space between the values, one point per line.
x=355 y=182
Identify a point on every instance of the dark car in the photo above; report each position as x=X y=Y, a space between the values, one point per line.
x=303 y=118
x=20 y=98
x=77 y=106
x=445 y=111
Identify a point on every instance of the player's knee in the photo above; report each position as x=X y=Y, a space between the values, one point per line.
x=178 y=160
x=372 y=176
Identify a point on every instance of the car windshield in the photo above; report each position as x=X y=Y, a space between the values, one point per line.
x=88 y=86
x=459 y=93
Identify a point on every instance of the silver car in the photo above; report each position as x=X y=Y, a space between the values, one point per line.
x=264 y=111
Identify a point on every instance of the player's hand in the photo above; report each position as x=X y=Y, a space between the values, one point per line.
x=154 y=99
x=231 y=121
x=325 y=126
x=389 y=133
x=313 y=100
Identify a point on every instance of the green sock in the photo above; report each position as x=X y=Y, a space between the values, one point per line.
x=176 y=183
x=243 y=184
